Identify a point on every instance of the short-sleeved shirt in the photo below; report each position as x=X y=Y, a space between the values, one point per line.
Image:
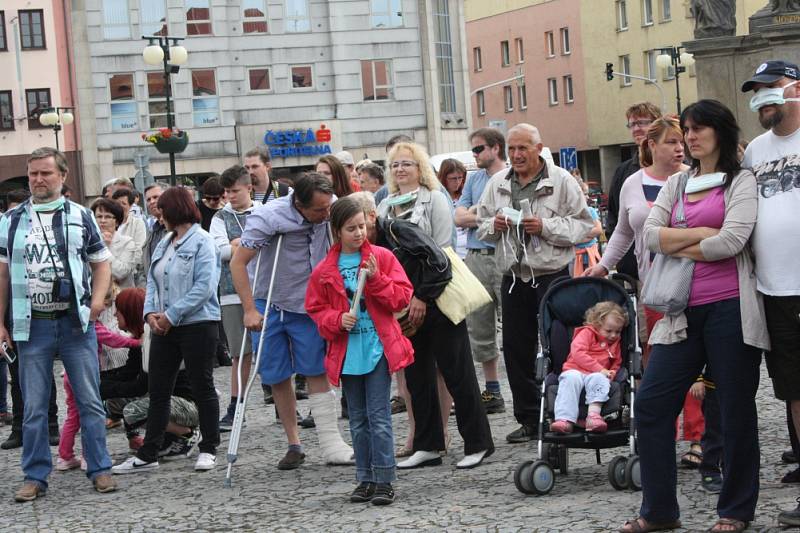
x=471 y=195
x=364 y=348
x=589 y=244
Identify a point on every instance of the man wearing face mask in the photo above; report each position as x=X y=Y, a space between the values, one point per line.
x=774 y=157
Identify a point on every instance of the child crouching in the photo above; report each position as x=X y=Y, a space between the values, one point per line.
x=364 y=347
x=593 y=361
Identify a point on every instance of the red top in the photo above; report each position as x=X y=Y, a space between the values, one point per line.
x=590 y=353
x=387 y=292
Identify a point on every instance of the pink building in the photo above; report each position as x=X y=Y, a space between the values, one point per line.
x=36 y=64
x=543 y=42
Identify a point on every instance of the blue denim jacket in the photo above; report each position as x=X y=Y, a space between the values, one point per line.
x=192 y=279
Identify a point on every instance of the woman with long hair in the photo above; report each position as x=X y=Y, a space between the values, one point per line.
x=332 y=168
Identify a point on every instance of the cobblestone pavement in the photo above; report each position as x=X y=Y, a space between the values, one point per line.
x=314 y=498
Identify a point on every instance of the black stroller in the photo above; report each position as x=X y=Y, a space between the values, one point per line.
x=562 y=310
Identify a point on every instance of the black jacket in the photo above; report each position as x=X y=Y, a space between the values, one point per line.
x=426 y=265
x=626 y=265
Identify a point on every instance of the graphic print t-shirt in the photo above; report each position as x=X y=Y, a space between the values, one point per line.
x=41 y=273
x=776 y=239
x=364 y=348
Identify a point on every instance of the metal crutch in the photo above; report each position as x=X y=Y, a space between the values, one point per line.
x=241 y=404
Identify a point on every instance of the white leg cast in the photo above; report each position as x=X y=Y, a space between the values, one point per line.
x=334 y=449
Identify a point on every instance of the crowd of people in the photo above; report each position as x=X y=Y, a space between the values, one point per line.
x=346 y=278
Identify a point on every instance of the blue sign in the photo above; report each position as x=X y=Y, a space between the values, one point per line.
x=293 y=143
x=568 y=157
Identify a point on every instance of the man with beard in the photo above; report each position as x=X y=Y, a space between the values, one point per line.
x=774 y=157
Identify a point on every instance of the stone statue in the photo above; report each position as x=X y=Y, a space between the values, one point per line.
x=778 y=7
x=777 y=12
x=714 y=18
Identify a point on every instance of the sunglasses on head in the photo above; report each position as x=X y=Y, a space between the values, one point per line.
x=478 y=149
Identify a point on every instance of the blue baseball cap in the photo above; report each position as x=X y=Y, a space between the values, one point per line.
x=770 y=72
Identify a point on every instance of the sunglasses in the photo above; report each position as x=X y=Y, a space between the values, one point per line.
x=478 y=149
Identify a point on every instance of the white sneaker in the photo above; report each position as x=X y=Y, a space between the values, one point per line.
x=205 y=461
x=420 y=459
x=472 y=460
x=133 y=464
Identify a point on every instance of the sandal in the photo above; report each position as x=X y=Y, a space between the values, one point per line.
x=404 y=452
x=640 y=525
x=738 y=526
x=398 y=404
x=692 y=458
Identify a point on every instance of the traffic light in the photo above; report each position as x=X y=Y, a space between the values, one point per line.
x=609 y=71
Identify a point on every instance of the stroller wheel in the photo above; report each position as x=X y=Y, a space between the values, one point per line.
x=633 y=473
x=616 y=472
x=542 y=477
x=522 y=478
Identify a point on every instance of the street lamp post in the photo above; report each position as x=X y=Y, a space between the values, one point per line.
x=166 y=51
x=56 y=118
x=680 y=60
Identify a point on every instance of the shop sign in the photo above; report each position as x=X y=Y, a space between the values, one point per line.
x=297 y=142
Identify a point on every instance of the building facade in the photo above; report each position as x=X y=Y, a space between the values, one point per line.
x=303 y=77
x=35 y=55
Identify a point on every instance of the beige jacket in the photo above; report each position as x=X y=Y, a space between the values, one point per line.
x=741 y=207
x=566 y=221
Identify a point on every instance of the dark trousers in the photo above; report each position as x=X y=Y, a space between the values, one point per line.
x=439 y=343
x=521 y=342
x=18 y=404
x=711 y=442
x=195 y=345
x=714 y=338
x=792 y=433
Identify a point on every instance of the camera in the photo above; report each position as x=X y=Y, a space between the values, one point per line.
x=62 y=290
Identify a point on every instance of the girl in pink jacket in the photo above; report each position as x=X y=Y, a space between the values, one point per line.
x=594 y=359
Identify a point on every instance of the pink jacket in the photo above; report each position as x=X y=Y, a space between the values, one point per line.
x=387 y=292
x=106 y=337
x=590 y=353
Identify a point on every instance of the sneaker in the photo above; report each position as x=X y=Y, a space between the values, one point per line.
x=787 y=457
x=135 y=442
x=363 y=493
x=711 y=484
x=493 y=402
x=790 y=518
x=268 y=399
x=29 y=491
x=561 y=426
x=14 y=440
x=104 y=483
x=596 y=424
x=205 y=461
x=525 y=433
x=132 y=465
x=291 y=460
x=384 y=494
x=226 y=423
x=63 y=465
x=792 y=477
x=398 y=404
x=180 y=447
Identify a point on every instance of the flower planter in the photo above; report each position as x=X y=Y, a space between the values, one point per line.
x=174 y=144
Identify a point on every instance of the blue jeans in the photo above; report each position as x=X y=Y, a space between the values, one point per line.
x=78 y=352
x=714 y=338
x=371 y=423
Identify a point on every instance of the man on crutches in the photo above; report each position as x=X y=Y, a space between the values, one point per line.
x=292 y=343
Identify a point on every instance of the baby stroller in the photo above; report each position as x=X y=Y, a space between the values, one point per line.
x=562 y=310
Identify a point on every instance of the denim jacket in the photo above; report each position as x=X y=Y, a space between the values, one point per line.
x=191 y=279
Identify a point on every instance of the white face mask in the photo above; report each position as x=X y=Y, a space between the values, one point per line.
x=514 y=216
x=703 y=183
x=772 y=96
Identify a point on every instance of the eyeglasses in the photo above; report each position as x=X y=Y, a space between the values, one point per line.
x=102 y=216
x=478 y=149
x=403 y=164
x=638 y=124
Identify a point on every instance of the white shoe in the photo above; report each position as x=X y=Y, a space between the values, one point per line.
x=133 y=464
x=205 y=461
x=420 y=459
x=472 y=460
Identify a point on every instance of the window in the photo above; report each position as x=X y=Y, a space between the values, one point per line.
x=38 y=100
x=520 y=50
x=31 y=29
x=508 y=98
x=666 y=10
x=254 y=16
x=3 y=41
x=198 y=17
x=622 y=15
x=153 y=17
x=296 y=17
x=625 y=68
x=566 y=49
x=505 y=55
x=552 y=91
x=522 y=96
x=549 y=44
x=6 y=110
x=481 y=102
x=302 y=77
x=205 y=103
x=386 y=13
x=116 y=24
x=477 y=60
x=444 y=56
x=376 y=80
x=123 y=103
x=647 y=12
x=569 y=96
x=259 y=79
x=650 y=66
x=156 y=100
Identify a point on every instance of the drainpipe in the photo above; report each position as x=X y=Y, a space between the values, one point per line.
x=18 y=55
x=66 y=11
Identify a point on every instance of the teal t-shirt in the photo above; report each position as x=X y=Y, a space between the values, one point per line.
x=364 y=348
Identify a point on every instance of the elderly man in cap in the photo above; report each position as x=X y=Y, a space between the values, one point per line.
x=774 y=157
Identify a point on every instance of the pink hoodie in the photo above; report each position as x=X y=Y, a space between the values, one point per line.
x=590 y=353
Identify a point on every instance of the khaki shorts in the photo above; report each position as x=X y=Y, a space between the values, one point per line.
x=483 y=323
x=233 y=324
